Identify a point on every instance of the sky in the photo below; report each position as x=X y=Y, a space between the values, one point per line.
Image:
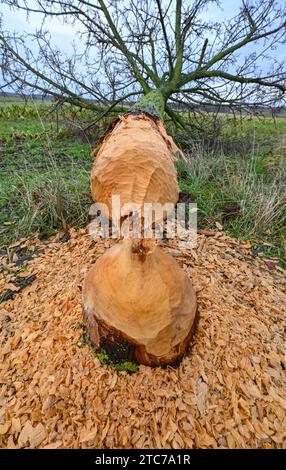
x=64 y=34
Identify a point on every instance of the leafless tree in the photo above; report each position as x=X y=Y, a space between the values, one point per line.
x=125 y=48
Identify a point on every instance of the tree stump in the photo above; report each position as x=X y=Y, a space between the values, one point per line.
x=137 y=299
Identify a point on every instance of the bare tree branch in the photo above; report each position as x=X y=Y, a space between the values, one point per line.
x=126 y=48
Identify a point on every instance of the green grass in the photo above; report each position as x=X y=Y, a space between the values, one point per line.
x=245 y=194
x=263 y=129
x=244 y=134
x=11 y=130
x=103 y=357
x=44 y=182
x=45 y=168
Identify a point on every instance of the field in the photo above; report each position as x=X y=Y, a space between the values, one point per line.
x=57 y=391
x=235 y=171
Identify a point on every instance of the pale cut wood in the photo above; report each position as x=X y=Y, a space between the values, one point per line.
x=139 y=295
x=238 y=351
x=135 y=161
x=151 y=313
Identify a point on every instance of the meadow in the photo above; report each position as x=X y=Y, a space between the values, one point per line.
x=235 y=170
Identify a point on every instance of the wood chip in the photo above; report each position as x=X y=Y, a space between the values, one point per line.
x=229 y=390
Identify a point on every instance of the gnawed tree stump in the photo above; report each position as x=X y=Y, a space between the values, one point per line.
x=136 y=299
x=137 y=295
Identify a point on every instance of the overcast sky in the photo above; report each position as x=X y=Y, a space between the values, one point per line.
x=63 y=34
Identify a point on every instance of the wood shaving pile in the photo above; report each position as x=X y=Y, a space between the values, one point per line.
x=229 y=391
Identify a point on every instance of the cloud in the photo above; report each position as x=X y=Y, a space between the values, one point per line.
x=62 y=34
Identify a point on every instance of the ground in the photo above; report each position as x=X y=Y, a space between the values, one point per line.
x=229 y=391
x=236 y=172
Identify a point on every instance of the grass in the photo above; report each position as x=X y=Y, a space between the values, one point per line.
x=244 y=194
x=104 y=358
x=235 y=173
x=262 y=129
x=44 y=183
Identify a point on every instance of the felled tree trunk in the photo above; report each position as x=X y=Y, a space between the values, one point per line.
x=136 y=299
x=136 y=161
